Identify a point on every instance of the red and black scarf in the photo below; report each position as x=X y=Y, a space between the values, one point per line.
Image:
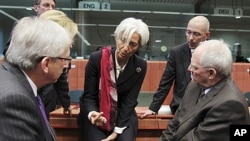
x=108 y=92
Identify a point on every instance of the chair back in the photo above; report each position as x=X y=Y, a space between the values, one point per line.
x=75 y=95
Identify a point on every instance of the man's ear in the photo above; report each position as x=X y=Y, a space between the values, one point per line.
x=35 y=8
x=212 y=73
x=45 y=64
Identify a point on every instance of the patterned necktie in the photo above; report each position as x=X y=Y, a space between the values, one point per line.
x=41 y=106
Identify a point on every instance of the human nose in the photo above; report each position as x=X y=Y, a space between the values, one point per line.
x=191 y=36
x=190 y=68
x=126 y=47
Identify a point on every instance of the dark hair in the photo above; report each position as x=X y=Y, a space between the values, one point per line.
x=37 y=2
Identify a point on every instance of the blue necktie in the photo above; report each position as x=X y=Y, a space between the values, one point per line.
x=41 y=106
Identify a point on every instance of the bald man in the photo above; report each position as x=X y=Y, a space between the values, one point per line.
x=176 y=71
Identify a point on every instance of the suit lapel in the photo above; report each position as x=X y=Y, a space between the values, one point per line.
x=19 y=74
x=127 y=72
x=204 y=101
x=186 y=53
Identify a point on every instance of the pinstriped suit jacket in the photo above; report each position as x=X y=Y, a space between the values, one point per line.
x=20 y=117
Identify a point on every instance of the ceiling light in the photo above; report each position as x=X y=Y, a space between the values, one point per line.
x=29 y=8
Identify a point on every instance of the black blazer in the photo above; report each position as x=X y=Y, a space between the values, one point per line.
x=128 y=87
x=20 y=116
x=176 y=72
x=56 y=94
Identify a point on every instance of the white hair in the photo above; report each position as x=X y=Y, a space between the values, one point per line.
x=33 y=38
x=129 y=26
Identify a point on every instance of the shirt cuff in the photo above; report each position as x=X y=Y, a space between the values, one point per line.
x=119 y=130
x=90 y=113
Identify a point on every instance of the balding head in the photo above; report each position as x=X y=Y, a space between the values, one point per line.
x=201 y=21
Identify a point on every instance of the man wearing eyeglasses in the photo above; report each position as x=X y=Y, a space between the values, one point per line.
x=32 y=61
x=176 y=71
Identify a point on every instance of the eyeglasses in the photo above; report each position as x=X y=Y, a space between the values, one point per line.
x=66 y=60
x=195 y=34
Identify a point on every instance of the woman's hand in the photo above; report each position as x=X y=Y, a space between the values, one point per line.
x=97 y=118
x=111 y=137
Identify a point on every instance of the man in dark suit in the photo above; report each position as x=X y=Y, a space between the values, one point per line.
x=36 y=56
x=121 y=73
x=57 y=94
x=212 y=102
x=176 y=71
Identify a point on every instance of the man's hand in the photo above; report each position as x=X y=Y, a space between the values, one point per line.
x=146 y=113
x=111 y=137
x=67 y=111
x=97 y=118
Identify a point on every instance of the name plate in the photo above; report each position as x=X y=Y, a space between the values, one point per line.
x=224 y=11
x=89 y=5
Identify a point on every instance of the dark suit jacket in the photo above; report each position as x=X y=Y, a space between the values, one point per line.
x=128 y=87
x=20 y=116
x=56 y=94
x=209 y=119
x=176 y=72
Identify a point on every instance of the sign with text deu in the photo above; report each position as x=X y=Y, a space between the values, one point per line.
x=91 y=5
x=223 y=11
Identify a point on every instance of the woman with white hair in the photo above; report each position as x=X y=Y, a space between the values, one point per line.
x=113 y=79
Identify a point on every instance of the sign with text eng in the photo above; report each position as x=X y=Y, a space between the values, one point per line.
x=89 y=5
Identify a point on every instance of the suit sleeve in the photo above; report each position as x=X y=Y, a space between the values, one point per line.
x=165 y=83
x=90 y=99
x=62 y=90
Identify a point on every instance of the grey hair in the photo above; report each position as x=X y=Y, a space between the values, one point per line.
x=128 y=27
x=34 y=38
x=216 y=54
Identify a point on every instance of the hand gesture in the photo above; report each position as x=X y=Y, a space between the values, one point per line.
x=97 y=118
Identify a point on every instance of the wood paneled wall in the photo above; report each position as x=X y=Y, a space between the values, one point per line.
x=155 y=69
x=153 y=76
